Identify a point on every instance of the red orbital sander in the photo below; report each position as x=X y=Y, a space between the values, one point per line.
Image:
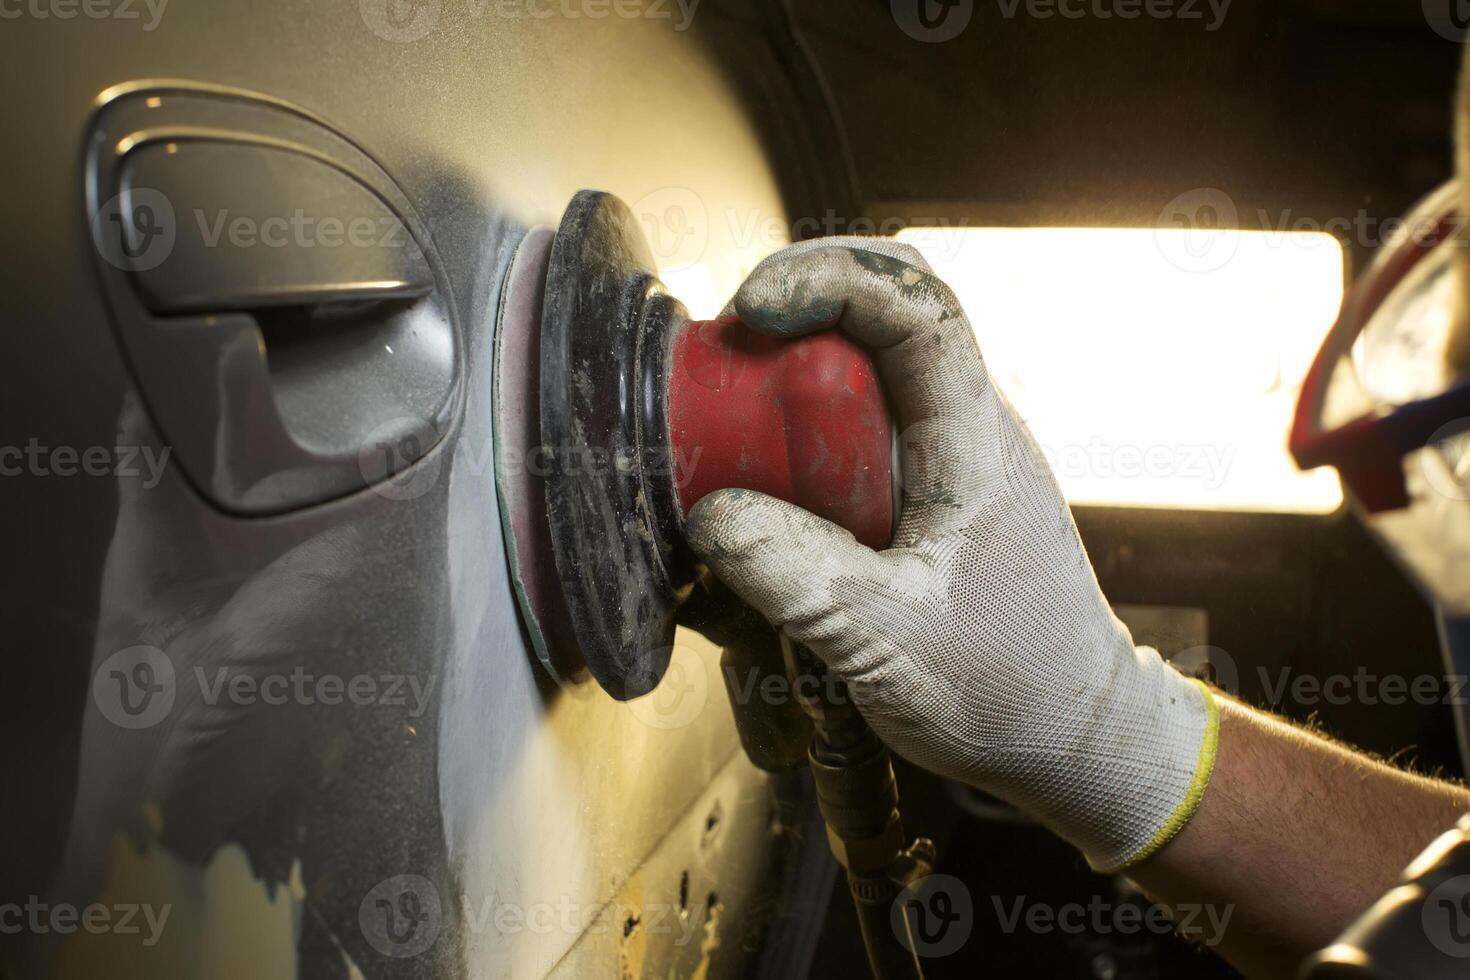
x=615 y=413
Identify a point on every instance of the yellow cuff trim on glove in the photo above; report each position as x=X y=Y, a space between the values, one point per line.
x=1196 y=792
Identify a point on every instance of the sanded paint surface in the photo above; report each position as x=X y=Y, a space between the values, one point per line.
x=462 y=778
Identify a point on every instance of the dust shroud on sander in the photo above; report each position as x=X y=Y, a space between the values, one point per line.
x=614 y=413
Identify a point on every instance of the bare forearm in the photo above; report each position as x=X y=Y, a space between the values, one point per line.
x=1297 y=835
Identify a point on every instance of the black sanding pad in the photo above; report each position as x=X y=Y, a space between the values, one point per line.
x=580 y=430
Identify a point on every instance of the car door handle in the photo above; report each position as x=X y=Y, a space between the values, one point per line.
x=261 y=226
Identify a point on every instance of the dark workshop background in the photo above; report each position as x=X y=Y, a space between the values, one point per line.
x=1308 y=108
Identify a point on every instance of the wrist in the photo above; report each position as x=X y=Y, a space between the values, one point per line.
x=1149 y=782
x=1203 y=749
x=1126 y=768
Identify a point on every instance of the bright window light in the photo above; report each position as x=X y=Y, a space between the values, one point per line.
x=1156 y=368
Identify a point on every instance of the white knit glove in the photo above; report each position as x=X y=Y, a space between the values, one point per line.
x=979 y=645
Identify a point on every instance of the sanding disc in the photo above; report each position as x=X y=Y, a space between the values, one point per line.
x=519 y=467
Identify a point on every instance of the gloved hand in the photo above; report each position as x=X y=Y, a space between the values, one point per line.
x=979 y=645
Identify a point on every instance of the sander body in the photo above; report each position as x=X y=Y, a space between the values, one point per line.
x=615 y=413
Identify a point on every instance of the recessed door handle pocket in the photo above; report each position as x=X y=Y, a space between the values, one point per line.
x=281 y=305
